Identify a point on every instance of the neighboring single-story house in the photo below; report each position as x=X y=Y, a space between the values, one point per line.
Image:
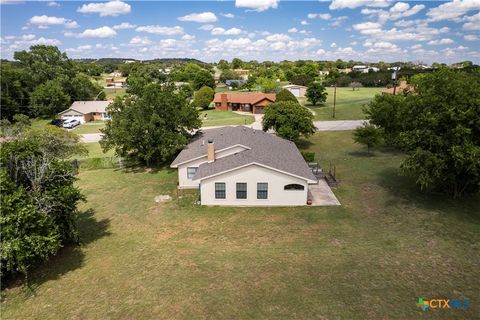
x=296 y=90
x=86 y=111
x=254 y=102
x=240 y=166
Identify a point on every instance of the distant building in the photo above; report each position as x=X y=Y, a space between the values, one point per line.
x=238 y=82
x=296 y=90
x=254 y=102
x=242 y=73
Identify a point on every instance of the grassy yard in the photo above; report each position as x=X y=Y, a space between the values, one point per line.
x=372 y=258
x=348 y=106
x=111 y=93
x=89 y=127
x=224 y=118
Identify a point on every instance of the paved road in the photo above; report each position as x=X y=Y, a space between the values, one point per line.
x=338 y=125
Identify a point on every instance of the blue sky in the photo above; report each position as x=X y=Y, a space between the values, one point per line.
x=366 y=30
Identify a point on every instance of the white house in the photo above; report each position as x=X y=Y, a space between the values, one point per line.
x=296 y=90
x=239 y=166
x=85 y=111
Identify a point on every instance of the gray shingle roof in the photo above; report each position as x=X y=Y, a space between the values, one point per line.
x=265 y=149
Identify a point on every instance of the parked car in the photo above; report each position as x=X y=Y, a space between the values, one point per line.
x=57 y=122
x=71 y=123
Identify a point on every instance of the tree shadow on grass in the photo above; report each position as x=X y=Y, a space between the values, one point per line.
x=67 y=259
x=404 y=190
x=362 y=154
x=303 y=143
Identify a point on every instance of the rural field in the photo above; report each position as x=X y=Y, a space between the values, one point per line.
x=372 y=258
x=348 y=106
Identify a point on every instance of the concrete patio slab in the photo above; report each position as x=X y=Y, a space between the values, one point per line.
x=322 y=195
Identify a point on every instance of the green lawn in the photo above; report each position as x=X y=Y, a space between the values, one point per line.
x=372 y=258
x=89 y=127
x=111 y=93
x=224 y=118
x=348 y=106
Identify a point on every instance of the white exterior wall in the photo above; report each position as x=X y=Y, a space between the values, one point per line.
x=253 y=174
x=72 y=114
x=185 y=183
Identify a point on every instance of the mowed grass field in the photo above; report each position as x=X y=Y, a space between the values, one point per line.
x=371 y=258
x=348 y=105
x=224 y=118
x=89 y=127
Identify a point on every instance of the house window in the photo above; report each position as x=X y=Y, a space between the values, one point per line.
x=294 y=186
x=220 y=190
x=262 y=190
x=191 y=171
x=241 y=190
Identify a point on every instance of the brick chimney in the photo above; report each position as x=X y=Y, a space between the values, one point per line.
x=210 y=151
x=223 y=102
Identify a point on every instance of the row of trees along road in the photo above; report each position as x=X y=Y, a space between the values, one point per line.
x=437 y=126
x=42 y=82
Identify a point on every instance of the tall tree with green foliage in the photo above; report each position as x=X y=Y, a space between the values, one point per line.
x=289 y=119
x=39 y=198
x=285 y=95
x=439 y=128
x=368 y=135
x=48 y=99
x=267 y=85
x=150 y=127
x=203 y=98
x=203 y=78
x=14 y=93
x=316 y=93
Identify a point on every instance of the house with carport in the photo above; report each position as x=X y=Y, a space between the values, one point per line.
x=85 y=111
x=254 y=102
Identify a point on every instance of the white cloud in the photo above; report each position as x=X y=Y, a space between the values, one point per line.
x=207 y=27
x=44 y=22
x=368 y=27
x=156 y=29
x=11 y=1
x=111 y=8
x=333 y=45
x=473 y=23
x=471 y=37
x=320 y=52
x=53 y=4
x=452 y=10
x=443 y=41
x=257 y=5
x=277 y=37
x=323 y=16
x=203 y=17
x=102 y=32
x=228 y=15
x=304 y=23
x=351 y=4
x=399 y=10
x=140 y=41
x=292 y=30
x=188 y=37
x=124 y=25
x=228 y=32
x=79 y=49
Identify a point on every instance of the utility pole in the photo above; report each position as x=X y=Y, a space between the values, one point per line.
x=394 y=78
x=334 y=98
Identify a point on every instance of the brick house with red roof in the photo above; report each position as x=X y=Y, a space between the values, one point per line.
x=254 y=102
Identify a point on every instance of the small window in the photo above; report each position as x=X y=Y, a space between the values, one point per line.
x=241 y=190
x=220 y=190
x=262 y=190
x=191 y=171
x=294 y=186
